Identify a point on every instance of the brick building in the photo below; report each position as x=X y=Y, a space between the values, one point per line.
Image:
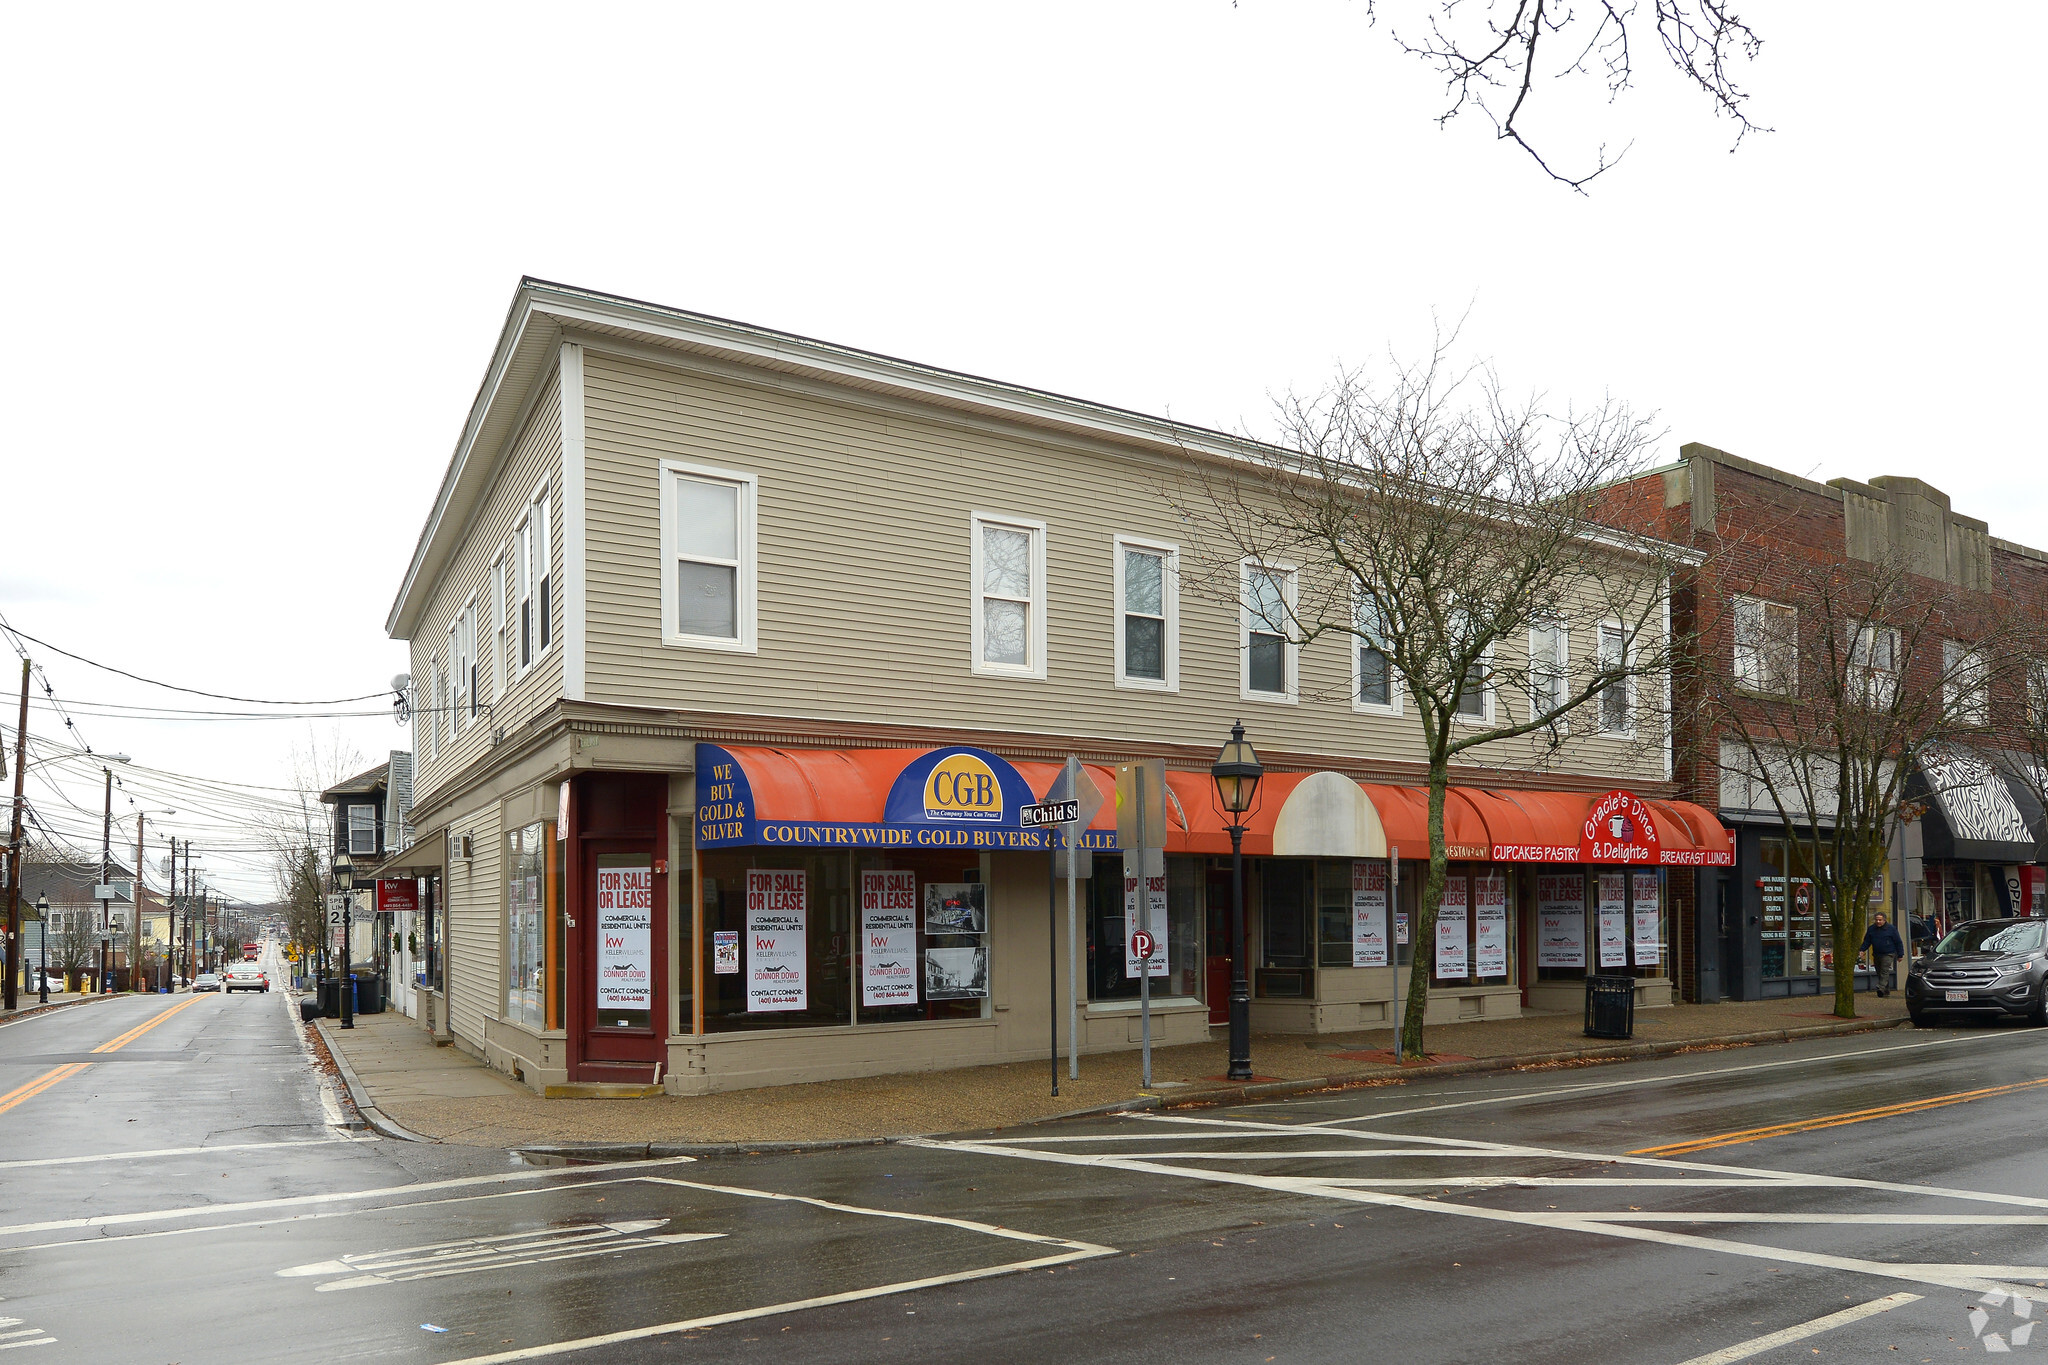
x=1751 y=931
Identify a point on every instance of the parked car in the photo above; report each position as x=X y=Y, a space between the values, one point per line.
x=247 y=976
x=1985 y=969
x=206 y=981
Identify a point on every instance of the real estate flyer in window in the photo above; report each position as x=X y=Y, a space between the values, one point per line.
x=1560 y=920
x=1648 y=939
x=888 y=938
x=777 y=901
x=1368 y=913
x=1450 y=931
x=1155 y=894
x=1490 y=925
x=1613 y=920
x=625 y=958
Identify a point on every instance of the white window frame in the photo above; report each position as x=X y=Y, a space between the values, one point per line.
x=1628 y=685
x=447 y=707
x=1169 y=602
x=1291 y=656
x=1956 y=655
x=1487 y=693
x=1392 y=706
x=531 y=533
x=464 y=655
x=434 y=700
x=1750 y=660
x=1868 y=680
x=349 y=821
x=745 y=589
x=1034 y=660
x=1560 y=631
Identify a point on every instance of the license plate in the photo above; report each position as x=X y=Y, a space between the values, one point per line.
x=1954 y=996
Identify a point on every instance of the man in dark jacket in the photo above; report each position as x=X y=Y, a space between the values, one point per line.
x=1885 y=950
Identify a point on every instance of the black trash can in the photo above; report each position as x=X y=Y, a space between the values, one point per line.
x=370 y=993
x=329 y=995
x=309 y=1009
x=1610 y=1006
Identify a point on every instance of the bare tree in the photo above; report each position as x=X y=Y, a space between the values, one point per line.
x=1845 y=679
x=1444 y=534
x=74 y=942
x=1496 y=55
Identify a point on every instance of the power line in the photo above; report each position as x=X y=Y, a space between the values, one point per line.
x=173 y=687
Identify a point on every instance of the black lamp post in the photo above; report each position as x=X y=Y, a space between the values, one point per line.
x=344 y=882
x=43 y=957
x=1237 y=772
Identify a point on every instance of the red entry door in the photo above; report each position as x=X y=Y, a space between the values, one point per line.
x=623 y=938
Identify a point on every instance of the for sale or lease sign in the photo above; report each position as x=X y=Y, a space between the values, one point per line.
x=625 y=918
x=888 y=938
x=778 y=901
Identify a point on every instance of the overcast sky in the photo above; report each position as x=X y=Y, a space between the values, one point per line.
x=260 y=256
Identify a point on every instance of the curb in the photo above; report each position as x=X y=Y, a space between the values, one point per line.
x=359 y=1094
x=578 y=1152
x=1230 y=1094
x=19 y=1015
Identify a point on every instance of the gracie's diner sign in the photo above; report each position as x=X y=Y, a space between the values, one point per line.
x=1618 y=829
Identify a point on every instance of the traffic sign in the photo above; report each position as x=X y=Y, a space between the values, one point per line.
x=1049 y=813
x=1142 y=945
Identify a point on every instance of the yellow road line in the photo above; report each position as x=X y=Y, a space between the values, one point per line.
x=40 y=1084
x=1884 y=1111
x=116 y=1044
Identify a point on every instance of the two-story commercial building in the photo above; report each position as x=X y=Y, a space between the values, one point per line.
x=735 y=654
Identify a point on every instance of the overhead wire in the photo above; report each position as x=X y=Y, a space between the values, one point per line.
x=174 y=687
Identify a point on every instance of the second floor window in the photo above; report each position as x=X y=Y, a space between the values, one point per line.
x=1146 y=630
x=1268 y=634
x=1615 y=717
x=1966 y=683
x=1372 y=676
x=1549 y=648
x=1009 y=596
x=708 y=537
x=1873 y=665
x=362 y=829
x=1766 y=646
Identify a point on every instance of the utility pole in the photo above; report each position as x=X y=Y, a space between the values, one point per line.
x=106 y=876
x=191 y=960
x=14 y=840
x=135 y=937
x=171 y=919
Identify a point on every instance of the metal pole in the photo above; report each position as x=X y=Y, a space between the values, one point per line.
x=1240 y=990
x=1052 y=956
x=1144 y=924
x=135 y=936
x=1073 y=937
x=348 y=1004
x=106 y=863
x=14 y=841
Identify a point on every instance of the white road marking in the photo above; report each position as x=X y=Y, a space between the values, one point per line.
x=1672 y=1079
x=172 y=1151
x=1756 y=1346
x=337 y=1197
x=1072 y=1251
x=504 y=1251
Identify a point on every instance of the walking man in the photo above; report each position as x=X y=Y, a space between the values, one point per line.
x=1885 y=950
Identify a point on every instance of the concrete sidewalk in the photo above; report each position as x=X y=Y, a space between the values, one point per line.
x=392 y=1067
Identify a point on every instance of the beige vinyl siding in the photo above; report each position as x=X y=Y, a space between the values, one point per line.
x=535 y=455
x=476 y=920
x=864 y=581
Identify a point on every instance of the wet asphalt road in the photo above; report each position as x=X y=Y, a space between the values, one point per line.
x=183 y=1195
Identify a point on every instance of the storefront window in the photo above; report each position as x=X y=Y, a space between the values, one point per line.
x=533 y=929
x=1594 y=920
x=797 y=940
x=1785 y=885
x=1288 y=910
x=1111 y=975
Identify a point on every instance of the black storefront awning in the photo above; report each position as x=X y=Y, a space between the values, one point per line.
x=1975 y=811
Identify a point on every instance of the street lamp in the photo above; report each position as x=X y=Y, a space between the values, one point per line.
x=344 y=882
x=1237 y=772
x=43 y=958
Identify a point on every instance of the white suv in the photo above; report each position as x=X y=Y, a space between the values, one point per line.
x=246 y=976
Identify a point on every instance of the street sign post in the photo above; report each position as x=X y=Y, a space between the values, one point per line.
x=1073 y=785
x=1141 y=830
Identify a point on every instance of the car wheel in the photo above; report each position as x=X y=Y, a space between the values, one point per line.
x=1917 y=1015
x=2038 y=1015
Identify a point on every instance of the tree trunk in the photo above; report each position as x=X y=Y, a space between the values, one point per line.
x=1848 y=937
x=1422 y=935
